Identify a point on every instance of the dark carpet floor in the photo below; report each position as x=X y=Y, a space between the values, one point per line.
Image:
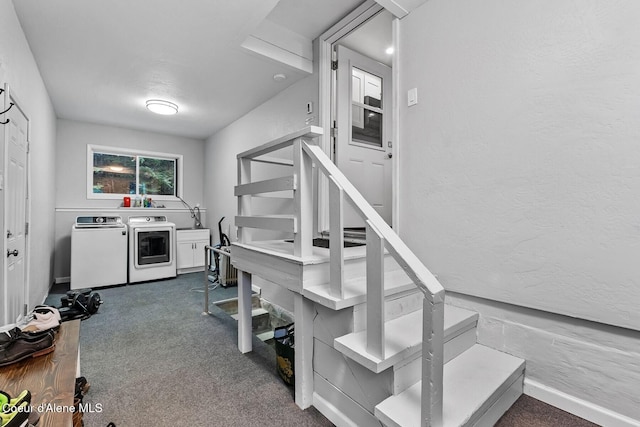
x=530 y=412
x=153 y=359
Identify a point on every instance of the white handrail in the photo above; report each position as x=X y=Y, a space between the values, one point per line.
x=422 y=277
x=280 y=143
x=380 y=236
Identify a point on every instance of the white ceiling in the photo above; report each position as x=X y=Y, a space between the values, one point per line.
x=102 y=59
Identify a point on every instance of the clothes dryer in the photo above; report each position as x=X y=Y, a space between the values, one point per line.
x=152 y=248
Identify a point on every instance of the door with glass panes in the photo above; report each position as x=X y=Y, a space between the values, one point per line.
x=363 y=143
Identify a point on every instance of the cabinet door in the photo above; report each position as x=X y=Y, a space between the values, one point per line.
x=199 y=255
x=185 y=255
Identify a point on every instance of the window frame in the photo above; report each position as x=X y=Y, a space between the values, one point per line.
x=92 y=148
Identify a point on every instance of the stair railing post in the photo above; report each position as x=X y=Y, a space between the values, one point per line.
x=245 y=335
x=244 y=202
x=375 y=292
x=432 y=362
x=302 y=201
x=336 y=238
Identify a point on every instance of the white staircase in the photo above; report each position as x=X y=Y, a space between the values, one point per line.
x=375 y=343
x=479 y=383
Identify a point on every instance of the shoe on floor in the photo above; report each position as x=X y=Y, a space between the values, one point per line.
x=82 y=386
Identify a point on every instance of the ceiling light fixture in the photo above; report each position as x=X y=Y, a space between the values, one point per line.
x=389 y=50
x=165 y=108
x=279 y=77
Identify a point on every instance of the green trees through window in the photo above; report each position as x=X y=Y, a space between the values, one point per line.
x=122 y=174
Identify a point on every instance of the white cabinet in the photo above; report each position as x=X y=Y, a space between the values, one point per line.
x=190 y=249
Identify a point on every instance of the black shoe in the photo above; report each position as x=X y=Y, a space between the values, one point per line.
x=82 y=386
x=23 y=347
x=8 y=337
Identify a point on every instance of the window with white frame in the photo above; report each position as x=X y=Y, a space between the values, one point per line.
x=116 y=172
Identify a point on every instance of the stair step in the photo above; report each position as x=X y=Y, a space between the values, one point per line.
x=404 y=338
x=230 y=306
x=355 y=290
x=481 y=382
x=260 y=320
x=265 y=336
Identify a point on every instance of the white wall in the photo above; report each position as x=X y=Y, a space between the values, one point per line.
x=520 y=179
x=583 y=367
x=525 y=140
x=283 y=114
x=71 y=177
x=19 y=69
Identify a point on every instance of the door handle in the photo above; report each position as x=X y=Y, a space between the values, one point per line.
x=389 y=155
x=9 y=234
x=14 y=253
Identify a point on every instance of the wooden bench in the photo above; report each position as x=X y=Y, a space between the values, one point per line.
x=49 y=378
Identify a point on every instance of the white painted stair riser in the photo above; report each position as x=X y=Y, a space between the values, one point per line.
x=395 y=306
x=355 y=290
x=354 y=267
x=404 y=338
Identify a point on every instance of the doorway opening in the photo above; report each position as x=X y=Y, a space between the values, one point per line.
x=357 y=109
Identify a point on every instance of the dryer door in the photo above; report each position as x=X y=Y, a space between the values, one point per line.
x=152 y=246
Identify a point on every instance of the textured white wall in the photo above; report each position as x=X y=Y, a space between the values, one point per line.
x=520 y=182
x=519 y=165
x=19 y=69
x=596 y=364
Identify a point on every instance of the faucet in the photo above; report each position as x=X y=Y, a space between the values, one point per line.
x=195 y=213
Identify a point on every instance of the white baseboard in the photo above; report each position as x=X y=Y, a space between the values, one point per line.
x=581 y=408
x=59 y=280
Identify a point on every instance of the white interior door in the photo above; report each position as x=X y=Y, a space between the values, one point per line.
x=363 y=146
x=15 y=213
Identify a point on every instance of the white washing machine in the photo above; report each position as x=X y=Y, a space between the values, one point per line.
x=98 y=252
x=152 y=248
